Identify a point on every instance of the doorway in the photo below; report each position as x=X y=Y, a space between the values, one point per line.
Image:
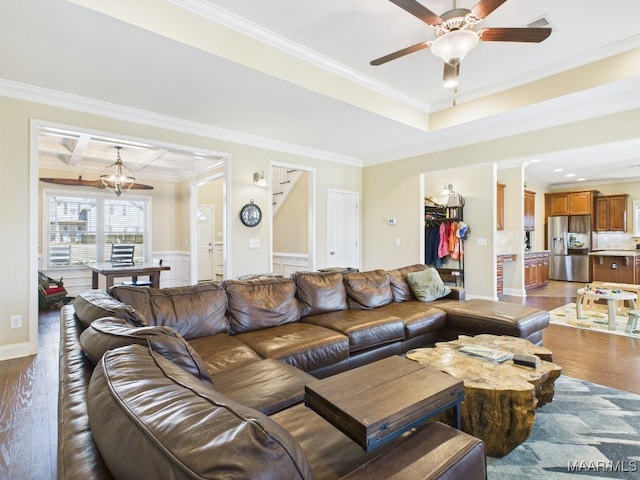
x=205 y=219
x=208 y=228
x=292 y=191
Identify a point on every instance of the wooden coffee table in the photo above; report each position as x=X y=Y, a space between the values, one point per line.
x=377 y=402
x=500 y=399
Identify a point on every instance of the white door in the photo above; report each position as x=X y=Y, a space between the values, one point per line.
x=205 y=222
x=343 y=229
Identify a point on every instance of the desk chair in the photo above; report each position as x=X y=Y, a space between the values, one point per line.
x=122 y=254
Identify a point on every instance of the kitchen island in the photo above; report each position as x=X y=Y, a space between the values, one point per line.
x=615 y=266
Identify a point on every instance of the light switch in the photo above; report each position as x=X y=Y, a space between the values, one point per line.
x=254 y=243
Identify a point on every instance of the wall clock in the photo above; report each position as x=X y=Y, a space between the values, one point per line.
x=251 y=214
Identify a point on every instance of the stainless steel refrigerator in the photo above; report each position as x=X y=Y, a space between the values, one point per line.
x=569 y=242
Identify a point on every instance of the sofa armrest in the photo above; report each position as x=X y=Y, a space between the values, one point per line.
x=457 y=293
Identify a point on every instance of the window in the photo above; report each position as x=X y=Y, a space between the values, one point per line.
x=81 y=229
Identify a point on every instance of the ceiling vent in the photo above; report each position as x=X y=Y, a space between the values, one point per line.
x=542 y=22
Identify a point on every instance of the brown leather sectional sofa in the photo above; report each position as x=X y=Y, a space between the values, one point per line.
x=207 y=381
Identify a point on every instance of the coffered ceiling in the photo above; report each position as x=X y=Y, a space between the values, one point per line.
x=295 y=75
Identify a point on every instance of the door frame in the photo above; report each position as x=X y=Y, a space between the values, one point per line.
x=311 y=212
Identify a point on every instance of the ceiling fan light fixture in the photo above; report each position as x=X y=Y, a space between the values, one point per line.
x=452 y=47
x=451 y=74
x=117 y=177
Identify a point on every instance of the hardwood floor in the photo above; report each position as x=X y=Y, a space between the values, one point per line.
x=598 y=357
x=29 y=386
x=29 y=408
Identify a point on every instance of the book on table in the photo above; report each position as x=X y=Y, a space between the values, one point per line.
x=486 y=353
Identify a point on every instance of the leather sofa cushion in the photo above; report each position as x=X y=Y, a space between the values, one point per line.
x=320 y=292
x=478 y=315
x=268 y=385
x=417 y=317
x=221 y=352
x=94 y=304
x=258 y=304
x=110 y=332
x=308 y=347
x=140 y=417
x=364 y=328
x=193 y=311
x=399 y=286
x=368 y=289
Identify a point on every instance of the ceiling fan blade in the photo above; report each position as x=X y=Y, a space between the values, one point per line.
x=484 y=7
x=400 y=53
x=418 y=10
x=524 y=34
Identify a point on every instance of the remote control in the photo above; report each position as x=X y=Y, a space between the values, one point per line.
x=525 y=360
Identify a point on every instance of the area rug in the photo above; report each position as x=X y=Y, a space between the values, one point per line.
x=587 y=431
x=593 y=318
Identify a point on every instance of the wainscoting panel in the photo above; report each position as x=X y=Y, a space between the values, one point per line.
x=287 y=263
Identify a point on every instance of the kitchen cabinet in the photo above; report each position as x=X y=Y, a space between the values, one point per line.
x=570 y=203
x=615 y=267
x=536 y=270
x=611 y=213
x=500 y=206
x=529 y=211
x=500 y=261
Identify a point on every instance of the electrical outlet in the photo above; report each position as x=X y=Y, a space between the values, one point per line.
x=16 y=321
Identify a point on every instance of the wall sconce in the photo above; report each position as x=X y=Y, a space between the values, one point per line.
x=454 y=199
x=259 y=180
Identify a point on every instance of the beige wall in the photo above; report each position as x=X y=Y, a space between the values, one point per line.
x=393 y=190
x=19 y=200
x=388 y=190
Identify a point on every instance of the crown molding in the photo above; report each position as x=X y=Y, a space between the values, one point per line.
x=230 y=20
x=92 y=106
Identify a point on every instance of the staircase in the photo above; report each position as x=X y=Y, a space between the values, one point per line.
x=283 y=180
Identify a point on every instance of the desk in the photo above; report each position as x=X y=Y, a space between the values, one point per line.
x=610 y=297
x=111 y=271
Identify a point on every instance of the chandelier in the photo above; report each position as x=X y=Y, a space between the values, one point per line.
x=117 y=177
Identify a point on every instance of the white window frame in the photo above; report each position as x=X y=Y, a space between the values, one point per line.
x=100 y=197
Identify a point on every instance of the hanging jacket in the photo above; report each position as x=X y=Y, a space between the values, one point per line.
x=443 y=244
x=454 y=242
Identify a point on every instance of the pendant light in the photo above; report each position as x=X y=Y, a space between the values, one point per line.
x=117 y=177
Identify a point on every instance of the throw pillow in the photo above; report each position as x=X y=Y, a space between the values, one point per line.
x=427 y=285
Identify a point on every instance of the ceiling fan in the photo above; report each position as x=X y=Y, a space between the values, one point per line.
x=455 y=34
